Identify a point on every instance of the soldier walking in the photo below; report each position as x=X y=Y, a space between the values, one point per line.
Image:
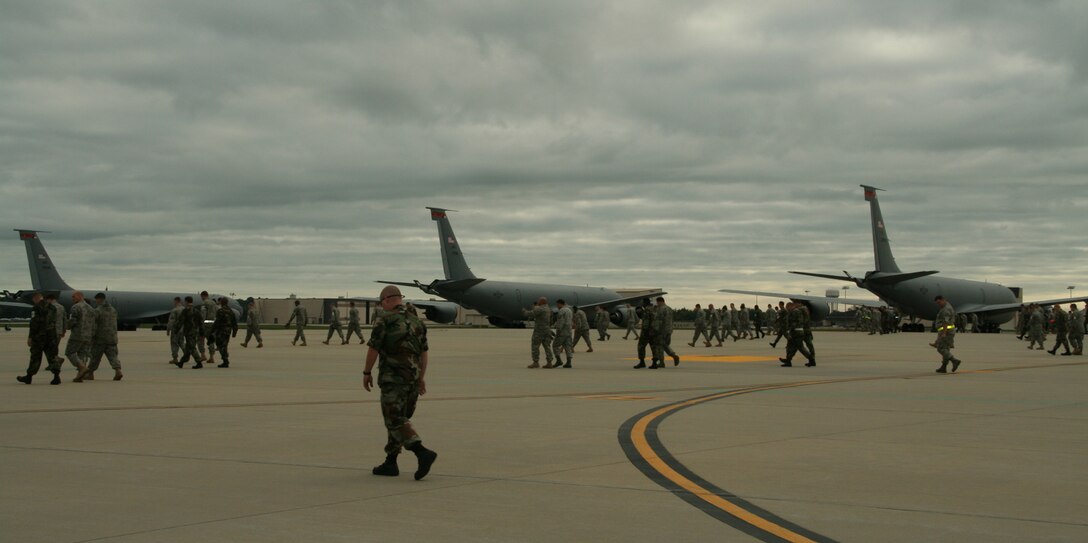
x=81 y=321
x=334 y=325
x=542 y=332
x=742 y=323
x=1061 y=331
x=581 y=329
x=647 y=335
x=207 y=311
x=253 y=325
x=398 y=343
x=104 y=340
x=632 y=322
x=190 y=326
x=795 y=336
x=173 y=329
x=224 y=327
x=700 y=327
x=663 y=334
x=1036 y=334
x=42 y=340
x=298 y=316
x=946 y=334
x=602 y=322
x=729 y=325
x=757 y=322
x=353 y=323
x=1076 y=329
x=62 y=323
x=563 y=343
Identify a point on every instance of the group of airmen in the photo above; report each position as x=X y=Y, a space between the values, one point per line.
x=212 y=323
x=91 y=331
x=877 y=320
x=1034 y=322
x=712 y=324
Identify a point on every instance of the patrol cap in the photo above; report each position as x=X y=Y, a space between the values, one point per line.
x=388 y=292
x=100 y=296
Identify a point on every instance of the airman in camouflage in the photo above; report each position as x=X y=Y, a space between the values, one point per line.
x=190 y=326
x=253 y=325
x=563 y=343
x=298 y=316
x=104 y=341
x=795 y=336
x=1036 y=333
x=173 y=328
x=946 y=334
x=700 y=327
x=581 y=329
x=1061 y=330
x=647 y=312
x=1076 y=329
x=713 y=324
x=42 y=340
x=542 y=332
x=729 y=325
x=207 y=314
x=81 y=322
x=663 y=334
x=632 y=322
x=334 y=325
x=398 y=343
x=757 y=322
x=224 y=327
x=602 y=322
x=353 y=323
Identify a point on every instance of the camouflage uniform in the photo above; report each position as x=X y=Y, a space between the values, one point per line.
x=1022 y=319
x=563 y=343
x=353 y=324
x=1035 y=329
x=729 y=325
x=43 y=338
x=806 y=324
x=602 y=322
x=663 y=335
x=253 y=327
x=104 y=341
x=1061 y=330
x=647 y=336
x=700 y=328
x=173 y=327
x=946 y=337
x=632 y=321
x=581 y=329
x=224 y=328
x=334 y=325
x=298 y=316
x=207 y=315
x=713 y=323
x=400 y=339
x=780 y=327
x=795 y=336
x=1076 y=331
x=542 y=334
x=81 y=320
x=62 y=321
x=190 y=325
x=757 y=321
x=742 y=323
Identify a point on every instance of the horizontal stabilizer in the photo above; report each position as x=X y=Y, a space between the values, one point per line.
x=826 y=276
x=617 y=301
x=458 y=284
x=999 y=308
x=807 y=298
x=894 y=278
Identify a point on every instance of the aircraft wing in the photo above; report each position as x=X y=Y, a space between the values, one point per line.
x=618 y=301
x=997 y=308
x=807 y=298
x=440 y=311
x=14 y=310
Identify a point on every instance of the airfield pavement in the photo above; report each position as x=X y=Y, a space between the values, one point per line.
x=873 y=446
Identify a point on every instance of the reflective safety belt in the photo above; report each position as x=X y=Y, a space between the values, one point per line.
x=946 y=327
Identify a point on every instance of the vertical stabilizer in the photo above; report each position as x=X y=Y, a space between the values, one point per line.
x=453 y=261
x=882 y=249
x=43 y=275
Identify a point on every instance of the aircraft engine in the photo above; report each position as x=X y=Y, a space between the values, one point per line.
x=441 y=314
x=819 y=311
x=618 y=315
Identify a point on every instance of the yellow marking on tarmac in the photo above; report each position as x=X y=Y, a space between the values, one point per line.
x=721 y=358
x=618 y=397
x=638 y=438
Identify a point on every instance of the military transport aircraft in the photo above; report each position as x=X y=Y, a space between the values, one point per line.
x=912 y=293
x=503 y=301
x=133 y=308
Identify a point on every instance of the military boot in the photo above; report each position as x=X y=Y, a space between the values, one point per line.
x=943 y=368
x=786 y=363
x=24 y=379
x=56 y=378
x=641 y=364
x=812 y=362
x=956 y=364
x=388 y=468
x=117 y=375
x=675 y=360
x=426 y=458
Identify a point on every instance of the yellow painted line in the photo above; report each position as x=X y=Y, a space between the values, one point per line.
x=618 y=397
x=721 y=358
x=638 y=438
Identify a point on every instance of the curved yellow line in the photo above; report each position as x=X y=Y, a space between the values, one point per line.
x=638 y=438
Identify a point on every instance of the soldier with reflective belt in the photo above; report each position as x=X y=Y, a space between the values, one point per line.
x=398 y=343
x=946 y=334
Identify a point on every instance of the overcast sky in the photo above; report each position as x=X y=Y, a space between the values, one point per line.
x=268 y=148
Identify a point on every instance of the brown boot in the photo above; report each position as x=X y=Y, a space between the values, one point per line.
x=117 y=375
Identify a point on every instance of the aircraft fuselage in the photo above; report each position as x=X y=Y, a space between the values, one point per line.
x=915 y=296
x=506 y=300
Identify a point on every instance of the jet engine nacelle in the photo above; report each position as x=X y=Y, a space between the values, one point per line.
x=618 y=315
x=818 y=311
x=441 y=314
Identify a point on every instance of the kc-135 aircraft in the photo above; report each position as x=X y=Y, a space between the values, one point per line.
x=912 y=293
x=133 y=308
x=503 y=301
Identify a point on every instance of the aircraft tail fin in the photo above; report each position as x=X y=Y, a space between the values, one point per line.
x=43 y=275
x=882 y=249
x=453 y=261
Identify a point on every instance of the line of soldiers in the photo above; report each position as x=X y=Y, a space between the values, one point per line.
x=657 y=333
x=354 y=326
x=93 y=335
x=1035 y=321
x=882 y=320
x=190 y=327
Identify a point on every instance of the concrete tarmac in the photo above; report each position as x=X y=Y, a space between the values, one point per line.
x=870 y=445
